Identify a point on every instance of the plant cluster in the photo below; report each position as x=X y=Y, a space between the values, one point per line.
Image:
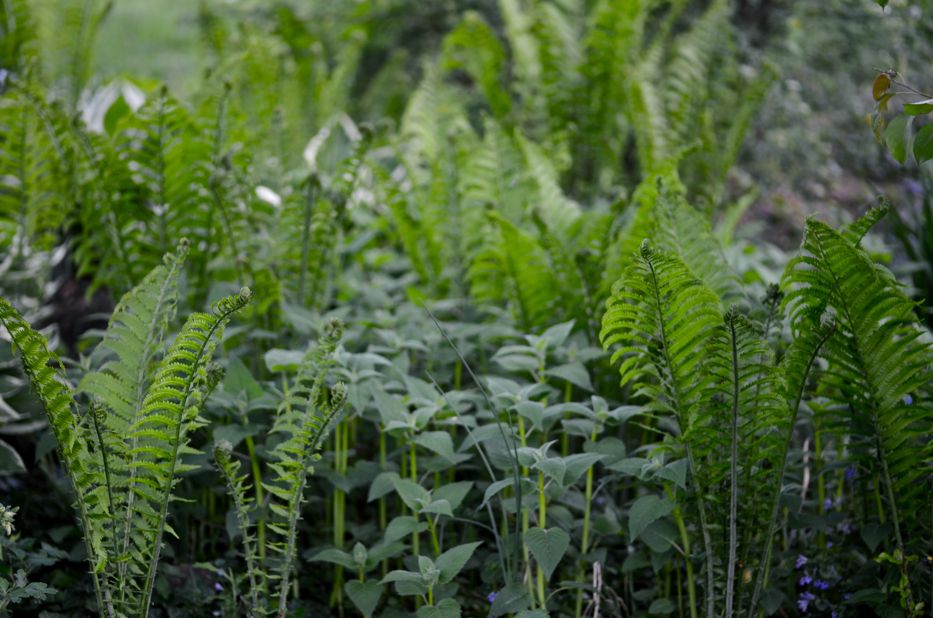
x=481 y=340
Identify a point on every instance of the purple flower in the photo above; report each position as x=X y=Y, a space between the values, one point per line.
x=834 y=614
x=218 y=587
x=819 y=584
x=912 y=186
x=829 y=544
x=827 y=504
x=850 y=473
x=908 y=400
x=806 y=579
x=804 y=600
x=801 y=560
x=845 y=527
x=846 y=596
x=491 y=597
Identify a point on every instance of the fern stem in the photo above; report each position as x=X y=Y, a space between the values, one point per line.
x=889 y=491
x=95 y=413
x=542 y=523
x=585 y=539
x=733 y=470
x=685 y=541
x=260 y=498
x=310 y=196
x=779 y=482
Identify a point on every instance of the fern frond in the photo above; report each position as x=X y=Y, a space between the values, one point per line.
x=169 y=412
x=306 y=416
x=46 y=374
x=472 y=47
x=877 y=358
x=243 y=506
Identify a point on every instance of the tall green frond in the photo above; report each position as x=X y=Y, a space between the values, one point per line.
x=306 y=416
x=878 y=360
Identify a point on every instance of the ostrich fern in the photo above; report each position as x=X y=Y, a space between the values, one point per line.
x=124 y=455
x=307 y=414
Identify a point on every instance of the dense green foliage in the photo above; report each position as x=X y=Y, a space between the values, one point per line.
x=501 y=345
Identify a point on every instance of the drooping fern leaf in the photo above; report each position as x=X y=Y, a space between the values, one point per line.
x=46 y=374
x=877 y=361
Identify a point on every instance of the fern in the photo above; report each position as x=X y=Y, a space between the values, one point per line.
x=46 y=374
x=306 y=415
x=141 y=418
x=877 y=359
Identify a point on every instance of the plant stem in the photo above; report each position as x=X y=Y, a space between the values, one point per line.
x=585 y=539
x=542 y=522
x=733 y=474
x=260 y=498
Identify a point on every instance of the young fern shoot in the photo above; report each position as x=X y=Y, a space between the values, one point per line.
x=307 y=414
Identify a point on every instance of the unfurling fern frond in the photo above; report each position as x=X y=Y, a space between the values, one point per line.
x=306 y=416
x=243 y=506
x=879 y=362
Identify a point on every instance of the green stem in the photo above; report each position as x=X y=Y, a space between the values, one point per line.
x=260 y=498
x=733 y=474
x=542 y=522
x=685 y=541
x=585 y=539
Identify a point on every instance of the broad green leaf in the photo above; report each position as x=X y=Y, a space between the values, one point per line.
x=364 y=595
x=283 y=360
x=646 y=511
x=548 y=547
x=577 y=465
x=923 y=144
x=452 y=561
x=575 y=373
x=454 y=493
x=412 y=494
x=438 y=442
x=659 y=536
x=895 y=136
x=382 y=485
x=920 y=107
x=403 y=526
x=662 y=607
x=337 y=556
x=10 y=461
x=511 y=599
x=448 y=608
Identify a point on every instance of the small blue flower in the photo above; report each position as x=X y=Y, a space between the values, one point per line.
x=829 y=544
x=850 y=473
x=801 y=560
x=846 y=596
x=491 y=597
x=908 y=400
x=819 y=584
x=827 y=504
x=218 y=587
x=912 y=186
x=834 y=614
x=806 y=579
x=804 y=600
x=845 y=527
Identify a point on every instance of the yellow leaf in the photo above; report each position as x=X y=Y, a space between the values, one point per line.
x=880 y=85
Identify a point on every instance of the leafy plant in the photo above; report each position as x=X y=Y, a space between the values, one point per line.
x=124 y=452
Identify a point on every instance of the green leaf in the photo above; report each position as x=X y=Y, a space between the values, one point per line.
x=439 y=442
x=660 y=536
x=895 y=136
x=364 y=595
x=382 y=485
x=335 y=556
x=575 y=373
x=453 y=493
x=920 y=107
x=662 y=607
x=646 y=511
x=238 y=379
x=511 y=599
x=548 y=547
x=10 y=461
x=448 y=608
x=403 y=526
x=577 y=465
x=452 y=561
x=283 y=360
x=923 y=144
x=412 y=494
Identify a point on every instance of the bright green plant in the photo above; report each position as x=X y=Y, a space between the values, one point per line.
x=124 y=452
x=308 y=413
